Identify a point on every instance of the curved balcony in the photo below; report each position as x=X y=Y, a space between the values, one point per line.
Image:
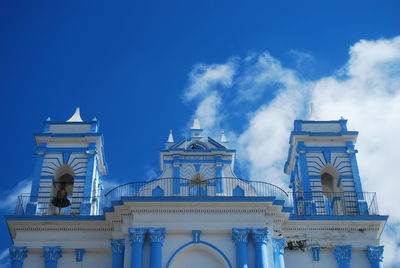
x=226 y=187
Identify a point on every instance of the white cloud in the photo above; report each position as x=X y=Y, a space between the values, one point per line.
x=366 y=91
x=204 y=78
x=9 y=199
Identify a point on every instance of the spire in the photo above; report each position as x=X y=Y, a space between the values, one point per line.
x=196 y=131
x=76 y=117
x=170 y=137
x=223 y=138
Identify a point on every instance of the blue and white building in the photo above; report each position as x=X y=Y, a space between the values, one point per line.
x=197 y=213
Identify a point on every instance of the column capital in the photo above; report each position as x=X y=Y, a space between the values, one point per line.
x=157 y=235
x=118 y=245
x=136 y=235
x=375 y=254
x=18 y=254
x=260 y=235
x=240 y=235
x=51 y=253
x=342 y=253
x=279 y=245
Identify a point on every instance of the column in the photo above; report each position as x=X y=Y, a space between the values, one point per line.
x=260 y=240
x=375 y=256
x=17 y=256
x=315 y=253
x=157 y=236
x=279 y=249
x=343 y=256
x=118 y=251
x=51 y=256
x=241 y=237
x=136 y=236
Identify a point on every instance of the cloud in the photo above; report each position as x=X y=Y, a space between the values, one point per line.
x=9 y=199
x=204 y=78
x=366 y=91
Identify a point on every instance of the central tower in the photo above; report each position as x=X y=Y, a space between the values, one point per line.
x=197 y=159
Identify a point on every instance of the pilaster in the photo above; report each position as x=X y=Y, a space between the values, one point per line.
x=118 y=252
x=260 y=241
x=157 y=236
x=51 y=256
x=278 y=245
x=375 y=256
x=241 y=237
x=17 y=256
x=343 y=255
x=137 y=236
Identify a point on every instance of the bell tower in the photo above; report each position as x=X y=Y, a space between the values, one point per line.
x=70 y=167
x=323 y=169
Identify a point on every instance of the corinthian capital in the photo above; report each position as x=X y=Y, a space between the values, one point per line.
x=157 y=235
x=240 y=235
x=137 y=235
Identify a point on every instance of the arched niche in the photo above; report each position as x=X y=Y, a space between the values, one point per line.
x=64 y=178
x=331 y=190
x=198 y=255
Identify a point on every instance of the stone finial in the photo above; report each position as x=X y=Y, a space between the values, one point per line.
x=157 y=235
x=137 y=235
x=223 y=138
x=118 y=245
x=170 y=137
x=196 y=124
x=240 y=235
x=76 y=117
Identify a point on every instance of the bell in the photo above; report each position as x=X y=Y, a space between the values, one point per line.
x=61 y=200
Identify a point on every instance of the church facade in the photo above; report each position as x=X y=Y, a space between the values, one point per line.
x=197 y=213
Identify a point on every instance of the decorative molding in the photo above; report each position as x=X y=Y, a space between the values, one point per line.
x=63 y=228
x=79 y=252
x=315 y=253
x=375 y=254
x=260 y=235
x=240 y=235
x=136 y=235
x=278 y=245
x=118 y=246
x=18 y=254
x=51 y=254
x=157 y=235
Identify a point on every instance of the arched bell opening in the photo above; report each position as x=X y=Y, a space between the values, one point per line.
x=63 y=186
x=331 y=191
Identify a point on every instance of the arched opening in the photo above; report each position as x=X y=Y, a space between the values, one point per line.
x=198 y=256
x=331 y=191
x=63 y=186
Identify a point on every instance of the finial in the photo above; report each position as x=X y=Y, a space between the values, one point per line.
x=94 y=119
x=223 y=138
x=170 y=136
x=313 y=114
x=76 y=117
x=196 y=124
x=48 y=119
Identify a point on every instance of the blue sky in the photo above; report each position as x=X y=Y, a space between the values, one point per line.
x=145 y=67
